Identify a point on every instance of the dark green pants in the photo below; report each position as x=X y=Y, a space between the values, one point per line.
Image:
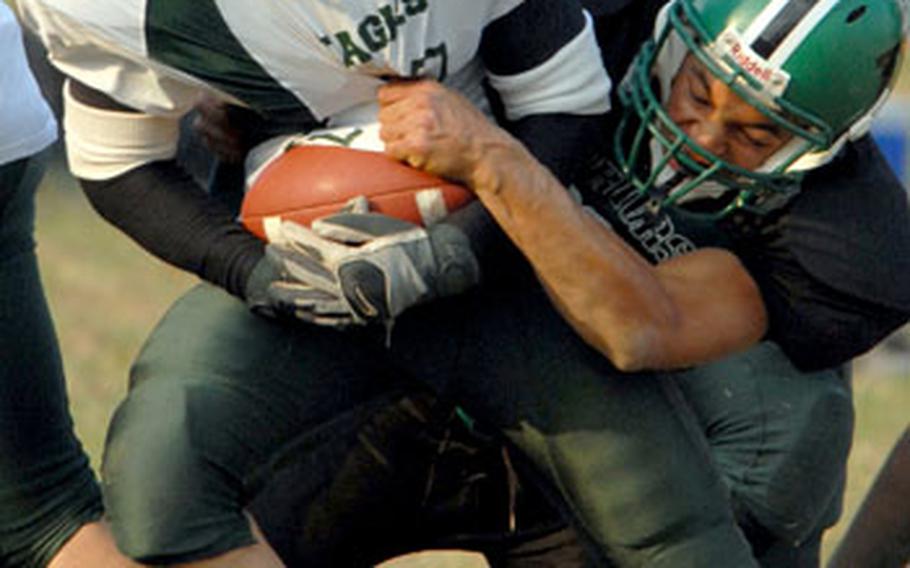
x=47 y=490
x=219 y=397
x=416 y=477
x=780 y=439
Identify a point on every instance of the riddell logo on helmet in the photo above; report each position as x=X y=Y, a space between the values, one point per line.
x=749 y=64
x=731 y=46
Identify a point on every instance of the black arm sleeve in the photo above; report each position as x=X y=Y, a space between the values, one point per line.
x=166 y=212
x=815 y=324
x=836 y=275
x=529 y=35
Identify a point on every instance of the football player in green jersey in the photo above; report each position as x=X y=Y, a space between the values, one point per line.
x=607 y=442
x=731 y=205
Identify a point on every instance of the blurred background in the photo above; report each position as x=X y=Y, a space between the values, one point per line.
x=106 y=295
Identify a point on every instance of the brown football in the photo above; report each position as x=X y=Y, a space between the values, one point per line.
x=308 y=182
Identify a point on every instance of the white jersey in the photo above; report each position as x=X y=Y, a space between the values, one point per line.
x=27 y=125
x=323 y=59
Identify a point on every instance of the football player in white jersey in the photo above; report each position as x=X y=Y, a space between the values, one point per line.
x=136 y=68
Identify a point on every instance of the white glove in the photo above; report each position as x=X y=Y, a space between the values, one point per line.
x=357 y=268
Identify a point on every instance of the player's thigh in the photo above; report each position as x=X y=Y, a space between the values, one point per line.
x=217 y=396
x=252 y=376
x=779 y=436
x=627 y=465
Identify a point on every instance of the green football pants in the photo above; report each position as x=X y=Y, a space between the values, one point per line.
x=219 y=397
x=47 y=489
x=780 y=439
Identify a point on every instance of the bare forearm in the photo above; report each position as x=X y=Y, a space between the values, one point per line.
x=610 y=295
x=638 y=315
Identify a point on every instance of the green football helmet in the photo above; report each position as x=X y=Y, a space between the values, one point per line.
x=819 y=69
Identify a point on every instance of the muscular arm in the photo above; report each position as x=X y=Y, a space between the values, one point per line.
x=685 y=311
x=637 y=315
x=692 y=309
x=560 y=143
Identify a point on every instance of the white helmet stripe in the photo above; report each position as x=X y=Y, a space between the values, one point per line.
x=795 y=38
x=781 y=26
x=763 y=20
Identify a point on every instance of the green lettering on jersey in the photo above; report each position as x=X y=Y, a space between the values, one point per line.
x=435 y=62
x=346 y=140
x=373 y=32
x=392 y=20
x=414 y=7
x=353 y=55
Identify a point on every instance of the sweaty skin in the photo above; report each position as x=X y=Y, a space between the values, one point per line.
x=639 y=316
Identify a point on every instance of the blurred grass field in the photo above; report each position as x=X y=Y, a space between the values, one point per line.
x=106 y=295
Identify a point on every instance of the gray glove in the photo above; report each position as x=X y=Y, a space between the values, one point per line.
x=357 y=268
x=273 y=291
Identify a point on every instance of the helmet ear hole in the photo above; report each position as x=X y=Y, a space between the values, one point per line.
x=888 y=62
x=856 y=14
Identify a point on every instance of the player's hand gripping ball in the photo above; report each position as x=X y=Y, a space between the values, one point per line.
x=352 y=234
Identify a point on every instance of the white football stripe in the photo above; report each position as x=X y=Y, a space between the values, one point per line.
x=272 y=227
x=560 y=82
x=432 y=206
